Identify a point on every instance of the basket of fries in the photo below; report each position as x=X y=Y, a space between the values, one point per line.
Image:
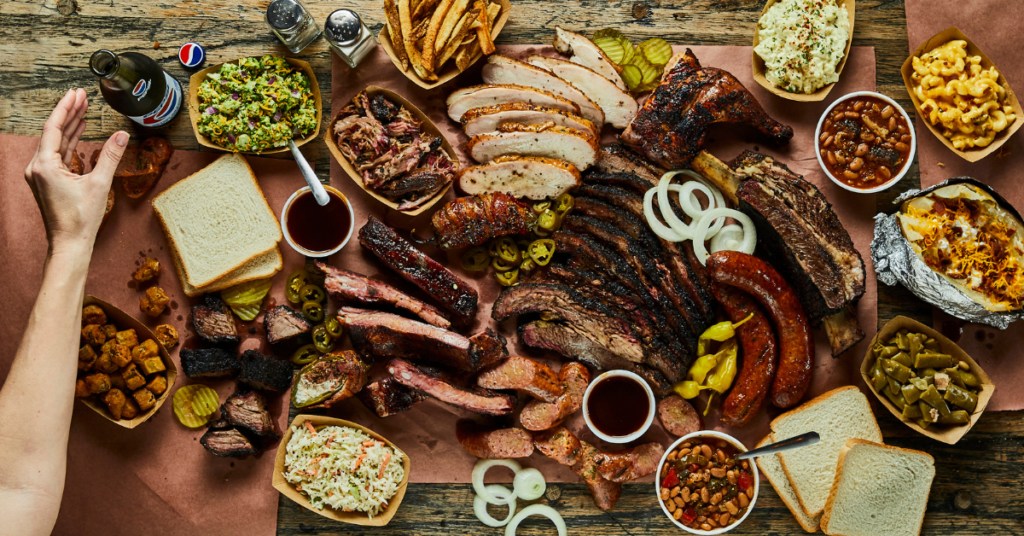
x=433 y=41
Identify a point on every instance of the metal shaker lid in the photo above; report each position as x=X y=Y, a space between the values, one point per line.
x=284 y=14
x=343 y=26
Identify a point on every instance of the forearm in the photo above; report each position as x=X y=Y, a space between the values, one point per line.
x=37 y=399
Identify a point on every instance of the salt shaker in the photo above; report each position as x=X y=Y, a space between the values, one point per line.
x=348 y=36
x=292 y=24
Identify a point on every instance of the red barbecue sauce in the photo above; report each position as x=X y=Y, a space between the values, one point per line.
x=618 y=406
x=318 y=228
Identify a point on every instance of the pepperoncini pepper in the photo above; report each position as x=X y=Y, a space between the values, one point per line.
x=715 y=372
x=720 y=332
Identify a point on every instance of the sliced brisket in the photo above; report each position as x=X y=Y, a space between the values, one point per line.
x=283 y=324
x=214 y=322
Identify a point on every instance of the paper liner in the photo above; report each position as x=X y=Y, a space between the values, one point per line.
x=451 y=71
x=354 y=518
x=949 y=434
x=820 y=94
x=943 y=37
x=428 y=126
x=125 y=321
x=193 y=106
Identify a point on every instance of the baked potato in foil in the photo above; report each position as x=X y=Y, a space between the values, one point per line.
x=959 y=246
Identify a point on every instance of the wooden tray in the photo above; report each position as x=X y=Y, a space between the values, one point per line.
x=125 y=321
x=451 y=71
x=194 y=111
x=949 y=434
x=943 y=37
x=355 y=518
x=820 y=94
x=428 y=126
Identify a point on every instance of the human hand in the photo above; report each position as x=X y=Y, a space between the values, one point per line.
x=72 y=205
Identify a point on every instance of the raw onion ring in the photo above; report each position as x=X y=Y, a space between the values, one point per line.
x=480 y=505
x=749 y=233
x=480 y=469
x=529 y=484
x=667 y=213
x=729 y=238
x=659 y=228
x=536 y=509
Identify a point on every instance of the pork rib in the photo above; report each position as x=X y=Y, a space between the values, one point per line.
x=343 y=285
x=389 y=397
x=443 y=387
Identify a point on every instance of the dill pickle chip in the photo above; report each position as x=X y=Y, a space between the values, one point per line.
x=607 y=32
x=649 y=86
x=183 y=409
x=628 y=51
x=611 y=48
x=246 y=312
x=249 y=293
x=650 y=73
x=632 y=76
x=205 y=401
x=656 y=50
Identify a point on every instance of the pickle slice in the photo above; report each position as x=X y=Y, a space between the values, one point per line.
x=632 y=76
x=629 y=52
x=656 y=50
x=249 y=293
x=246 y=312
x=612 y=48
x=183 y=408
x=650 y=72
x=607 y=32
x=205 y=401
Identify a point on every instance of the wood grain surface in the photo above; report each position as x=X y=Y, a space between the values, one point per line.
x=44 y=51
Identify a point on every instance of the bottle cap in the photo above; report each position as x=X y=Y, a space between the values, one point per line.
x=343 y=26
x=191 y=55
x=284 y=14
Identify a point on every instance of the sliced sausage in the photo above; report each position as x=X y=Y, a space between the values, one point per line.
x=678 y=417
x=559 y=444
x=750 y=392
x=574 y=378
x=492 y=444
x=629 y=464
x=523 y=374
x=564 y=447
x=796 y=347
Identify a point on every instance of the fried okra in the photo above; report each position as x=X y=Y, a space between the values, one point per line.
x=121 y=355
x=157 y=385
x=154 y=302
x=144 y=398
x=127 y=337
x=132 y=378
x=93 y=334
x=97 y=383
x=115 y=401
x=131 y=409
x=81 y=389
x=93 y=314
x=149 y=270
x=86 y=357
x=166 y=335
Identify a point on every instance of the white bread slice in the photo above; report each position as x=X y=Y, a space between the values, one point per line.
x=837 y=415
x=878 y=490
x=262 y=267
x=217 y=219
x=771 y=468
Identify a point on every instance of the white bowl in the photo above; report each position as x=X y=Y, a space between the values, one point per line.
x=739 y=446
x=910 y=157
x=650 y=404
x=302 y=250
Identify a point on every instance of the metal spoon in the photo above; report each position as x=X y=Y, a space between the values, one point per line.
x=802 y=440
x=314 y=183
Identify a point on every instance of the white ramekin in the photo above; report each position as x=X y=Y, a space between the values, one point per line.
x=650 y=403
x=302 y=250
x=910 y=157
x=740 y=447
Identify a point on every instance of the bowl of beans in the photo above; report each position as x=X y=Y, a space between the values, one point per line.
x=865 y=142
x=701 y=486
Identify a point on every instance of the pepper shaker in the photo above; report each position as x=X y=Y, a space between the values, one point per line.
x=348 y=36
x=292 y=23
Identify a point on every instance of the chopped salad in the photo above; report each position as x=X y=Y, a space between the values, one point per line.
x=256 y=104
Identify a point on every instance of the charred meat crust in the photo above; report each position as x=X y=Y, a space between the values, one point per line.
x=473 y=220
x=214 y=322
x=389 y=397
x=416 y=267
x=346 y=286
x=248 y=410
x=450 y=390
x=283 y=324
x=209 y=363
x=265 y=373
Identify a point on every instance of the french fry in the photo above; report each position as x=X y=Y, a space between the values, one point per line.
x=484 y=31
x=469 y=50
x=423 y=9
x=415 y=60
x=395 y=31
x=429 y=54
x=462 y=29
x=469 y=38
x=453 y=17
x=413 y=4
x=419 y=30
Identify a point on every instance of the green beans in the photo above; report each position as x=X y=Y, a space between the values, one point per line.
x=961 y=397
x=897 y=371
x=929 y=359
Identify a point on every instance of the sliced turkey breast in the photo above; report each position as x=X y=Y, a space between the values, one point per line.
x=468 y=98
x=619 y=106
x=587 y=54
x=487 y=119
x=575 y=147
x=520 y=176
x=505 y=70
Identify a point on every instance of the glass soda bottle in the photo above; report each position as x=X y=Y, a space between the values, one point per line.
x=136 y=86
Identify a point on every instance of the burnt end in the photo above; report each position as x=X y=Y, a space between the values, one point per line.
x=209 y=363
x=286 y=326
x=214 y=322
x=850 y=127
x=247 y=410
x=265 y=373
x=383 y=109
x=884 y=156
x=487 y=347
x=389 y=397
x=223 y=440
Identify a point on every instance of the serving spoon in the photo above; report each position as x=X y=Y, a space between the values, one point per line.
x=802 y=440
x=319 y=193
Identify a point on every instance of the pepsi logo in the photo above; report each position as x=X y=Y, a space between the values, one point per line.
x=141 y=88
x=191 y=55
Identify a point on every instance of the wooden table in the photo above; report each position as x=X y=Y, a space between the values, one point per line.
x=44 y=50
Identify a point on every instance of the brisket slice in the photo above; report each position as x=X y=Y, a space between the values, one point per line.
x=389 y=335
x=265 y=373
x=248 y=410
x=388 y=397
x=214 y=322
x=343 y=286
x=209 y=363
x=569 y=342
x=225 y=441
x=283 y=324
x=445 y=388
x=414 y=266
x=618 y=158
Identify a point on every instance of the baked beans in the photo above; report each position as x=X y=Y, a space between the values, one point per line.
x=703 y=486
x=864 y=142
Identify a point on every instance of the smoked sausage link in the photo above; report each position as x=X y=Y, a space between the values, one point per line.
x=796 y=347
x=760 y=352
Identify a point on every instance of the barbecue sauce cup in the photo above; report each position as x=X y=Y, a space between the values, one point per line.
x=618 y=406
x=314 y=230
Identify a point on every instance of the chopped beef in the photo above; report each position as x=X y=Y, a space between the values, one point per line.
x=227 y=442
x=884 y=156
x=265 y=373
x=209 y=363
x=214 y=322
